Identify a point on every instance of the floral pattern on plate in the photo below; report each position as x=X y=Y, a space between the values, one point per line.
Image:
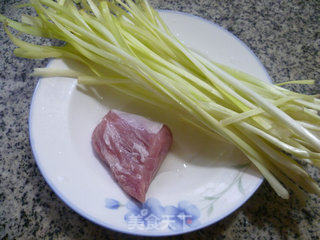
x=151 y=215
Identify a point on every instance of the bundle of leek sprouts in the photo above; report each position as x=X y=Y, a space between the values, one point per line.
x=128 y=47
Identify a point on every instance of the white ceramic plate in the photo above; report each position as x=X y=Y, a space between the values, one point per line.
x=201 y=180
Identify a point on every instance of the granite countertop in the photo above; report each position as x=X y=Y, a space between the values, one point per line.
x=285 y=35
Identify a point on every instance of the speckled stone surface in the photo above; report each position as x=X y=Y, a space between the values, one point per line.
x=285 y=35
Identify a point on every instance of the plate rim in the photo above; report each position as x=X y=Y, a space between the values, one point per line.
x=104 y=224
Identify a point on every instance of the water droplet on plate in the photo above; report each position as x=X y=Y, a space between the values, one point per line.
x=179 y=173
x=60 y=178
